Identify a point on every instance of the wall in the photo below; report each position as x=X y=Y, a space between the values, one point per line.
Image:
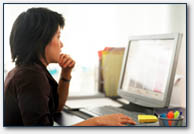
x=90 y=28
x=177 y=15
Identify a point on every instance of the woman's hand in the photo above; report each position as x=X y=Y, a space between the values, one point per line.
x=66 y=63
x=107 y=120
x=114 y=120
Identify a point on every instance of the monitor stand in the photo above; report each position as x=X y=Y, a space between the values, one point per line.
x=138 y=108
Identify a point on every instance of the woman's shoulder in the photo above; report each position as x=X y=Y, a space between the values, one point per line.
x=27 y=75
x=29 y=69
x=24 y=72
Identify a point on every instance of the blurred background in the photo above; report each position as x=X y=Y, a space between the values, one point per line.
x=92 y=27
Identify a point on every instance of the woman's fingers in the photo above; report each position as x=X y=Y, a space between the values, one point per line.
x=124 y=121
x=72 y=64
x=64 y=58
x=66 y=61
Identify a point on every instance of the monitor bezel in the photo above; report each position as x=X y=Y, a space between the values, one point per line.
x=145 y=101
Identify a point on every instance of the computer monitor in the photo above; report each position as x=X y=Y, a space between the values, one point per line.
x=148 y=69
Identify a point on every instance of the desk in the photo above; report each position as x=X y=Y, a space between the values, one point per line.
x=66 y=119
x=73 y=116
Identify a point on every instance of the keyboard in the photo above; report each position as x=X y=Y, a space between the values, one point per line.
x=104 y=110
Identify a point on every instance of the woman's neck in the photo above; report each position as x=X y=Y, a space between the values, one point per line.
x=44 y=62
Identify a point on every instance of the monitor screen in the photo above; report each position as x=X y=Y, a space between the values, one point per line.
x=149 y=68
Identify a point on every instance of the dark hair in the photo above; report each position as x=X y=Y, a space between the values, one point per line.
x=31 y=32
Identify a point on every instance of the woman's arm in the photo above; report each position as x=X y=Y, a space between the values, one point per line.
x=67 y=65
x=63 y=89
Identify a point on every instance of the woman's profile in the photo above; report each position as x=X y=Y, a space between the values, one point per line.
x=31 y=95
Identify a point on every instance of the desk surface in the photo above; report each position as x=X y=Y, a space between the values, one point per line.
x=68 y=118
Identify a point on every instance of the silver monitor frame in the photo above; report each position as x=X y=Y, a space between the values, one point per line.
x=145 y=101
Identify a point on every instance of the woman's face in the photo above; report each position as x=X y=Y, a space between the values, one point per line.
x=53 y=49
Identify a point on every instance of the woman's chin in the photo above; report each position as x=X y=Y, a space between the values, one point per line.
x=55 y=61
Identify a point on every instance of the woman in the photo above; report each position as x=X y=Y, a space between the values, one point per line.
x=32 y=96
